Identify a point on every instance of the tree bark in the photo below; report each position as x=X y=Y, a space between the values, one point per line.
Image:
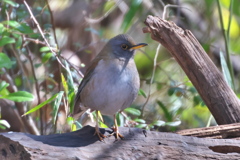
x=220 y=132
x=138 y=144
x=207 y=79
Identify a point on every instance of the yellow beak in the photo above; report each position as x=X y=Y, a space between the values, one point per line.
x=140 y=45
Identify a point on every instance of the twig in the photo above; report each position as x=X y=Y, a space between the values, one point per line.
x=42 y=34
x=229 y=64
x=36 y=41
x=21 y=65
x=172 y=6
x=152 y=77
x=27 y=120
x=36 y=87
x=52 y=21
x=89 y=20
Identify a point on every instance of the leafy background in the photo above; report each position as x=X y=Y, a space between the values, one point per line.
x=43 y=61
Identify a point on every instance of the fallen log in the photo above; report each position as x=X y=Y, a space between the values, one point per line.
x=138 y=144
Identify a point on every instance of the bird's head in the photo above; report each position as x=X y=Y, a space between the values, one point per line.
x=123 y=46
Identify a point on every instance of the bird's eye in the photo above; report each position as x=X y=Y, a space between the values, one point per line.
x=124 y=46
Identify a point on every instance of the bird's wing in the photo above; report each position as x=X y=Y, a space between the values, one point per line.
x=89 y=73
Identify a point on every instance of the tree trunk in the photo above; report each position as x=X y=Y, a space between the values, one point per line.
x=205 y=76
x=138 y=144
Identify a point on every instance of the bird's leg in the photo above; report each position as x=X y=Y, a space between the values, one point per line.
x=115 y=129
x=97 y=131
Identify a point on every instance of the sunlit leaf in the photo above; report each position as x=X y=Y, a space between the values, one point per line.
x=4 y=123
x=56 y=105
x=71 y=122
x=41 y=105
x=3 y=85
x=64 y=83
x=44 y=49
x=133 y=111
x=20 y=96
x=102 y=125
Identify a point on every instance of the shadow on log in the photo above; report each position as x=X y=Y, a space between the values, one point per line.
x=138 y=144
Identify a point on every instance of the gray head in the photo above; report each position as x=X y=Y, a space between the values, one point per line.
x=123 y=46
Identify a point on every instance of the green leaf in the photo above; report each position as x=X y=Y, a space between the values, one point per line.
x=120 y=119
x=3 y=85
x=171 y=91
x=6 y=40
x=133 y=111
x=71 y=122
x=141 y=126
x=159 y=123
x=46 y=57
x=225 y=70
x=18 y=43
x=21 y=27
x=64 y=83
x=140 y=120
x=41 y=105
x=20 y=96
x=4 y=124
x=142 y=93
x=14 y=4
x=5 y=61
x=56 y=105
x=13 y=24
x=102 y=125
x=165 y=111
x=44 y=49
x=24 y=28
x=134 y=7
x=71 y=93
x=173 y=124
x=71 y=97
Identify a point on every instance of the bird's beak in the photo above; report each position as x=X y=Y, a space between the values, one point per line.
x=140 y=45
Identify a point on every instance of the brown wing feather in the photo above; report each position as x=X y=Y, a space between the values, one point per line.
x=85 y=80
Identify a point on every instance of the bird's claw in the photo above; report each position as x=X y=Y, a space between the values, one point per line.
x=99 y=134
x=116 y=134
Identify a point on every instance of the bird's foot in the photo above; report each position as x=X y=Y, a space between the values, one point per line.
x=116 y=134
x=99 y=134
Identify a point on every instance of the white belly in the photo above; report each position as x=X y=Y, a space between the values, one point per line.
x=109 y=90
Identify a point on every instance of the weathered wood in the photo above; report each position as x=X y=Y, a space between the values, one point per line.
x=222 y=131
x=207 y=79
x=83 y=145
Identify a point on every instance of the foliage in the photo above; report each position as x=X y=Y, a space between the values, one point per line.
x=47 y=76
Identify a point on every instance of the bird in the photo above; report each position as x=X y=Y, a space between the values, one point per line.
x=111 y=81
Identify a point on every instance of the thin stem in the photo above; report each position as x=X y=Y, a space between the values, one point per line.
x=226 y=39
x=36 y=87
x=152 y=77
x=42 y=34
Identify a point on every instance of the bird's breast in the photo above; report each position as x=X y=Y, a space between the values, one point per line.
x=112 y=87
